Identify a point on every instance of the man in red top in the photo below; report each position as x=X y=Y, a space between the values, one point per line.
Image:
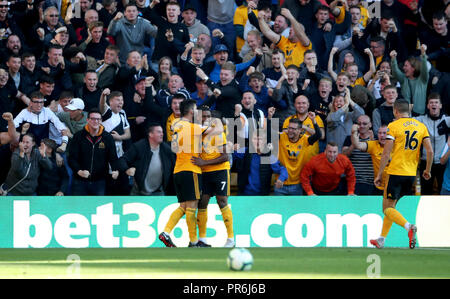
x=323 y=174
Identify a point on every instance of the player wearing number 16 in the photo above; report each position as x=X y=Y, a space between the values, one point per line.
x=404 y=139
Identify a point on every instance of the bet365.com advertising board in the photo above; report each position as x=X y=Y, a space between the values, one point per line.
x=114 y=222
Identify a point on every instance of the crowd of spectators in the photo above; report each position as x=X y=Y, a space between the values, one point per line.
x=89 y=90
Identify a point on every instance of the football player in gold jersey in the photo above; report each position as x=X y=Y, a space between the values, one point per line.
x=405 y=136
x=186 y=143
x=215 y=179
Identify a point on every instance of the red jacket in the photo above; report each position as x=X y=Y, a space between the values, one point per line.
x=325 y=176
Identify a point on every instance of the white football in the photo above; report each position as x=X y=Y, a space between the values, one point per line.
x=240 y=259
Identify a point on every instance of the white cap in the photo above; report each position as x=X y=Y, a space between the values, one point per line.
x=75 y=104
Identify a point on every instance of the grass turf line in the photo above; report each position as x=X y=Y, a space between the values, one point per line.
x=269 y=263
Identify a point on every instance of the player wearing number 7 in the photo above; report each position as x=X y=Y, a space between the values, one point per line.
x=215 y=180
x=404 y=139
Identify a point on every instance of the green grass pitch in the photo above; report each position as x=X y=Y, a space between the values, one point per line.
x=210 y=263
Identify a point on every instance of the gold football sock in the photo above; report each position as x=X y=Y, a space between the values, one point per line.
x=202 y=218
x=173 y=220
x=395 y=216
x=387 y=224
x=191 y=221
x=227 y=216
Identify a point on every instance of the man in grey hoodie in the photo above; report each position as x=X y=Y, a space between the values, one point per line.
x=130 y=31
x=193 y=24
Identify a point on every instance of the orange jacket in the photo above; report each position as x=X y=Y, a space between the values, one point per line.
x=325 y=176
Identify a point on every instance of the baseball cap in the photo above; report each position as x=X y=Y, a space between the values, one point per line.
x=220 y=48
x=140 y=78
x=61 y=29
x=75 y=104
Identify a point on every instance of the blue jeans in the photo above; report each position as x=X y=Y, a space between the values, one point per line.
x=289 y=190
x=96 y=188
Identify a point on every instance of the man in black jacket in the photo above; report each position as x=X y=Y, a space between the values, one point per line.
x=92 y=154
x=151 y=162
x=226 y=93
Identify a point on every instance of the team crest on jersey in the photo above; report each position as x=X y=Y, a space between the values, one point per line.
x=293 y=153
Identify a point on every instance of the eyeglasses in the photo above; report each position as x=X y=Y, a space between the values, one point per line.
x=363 y=123
x=4 y=5
x=95 y=119
x=53 y=16
x=38 y=102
